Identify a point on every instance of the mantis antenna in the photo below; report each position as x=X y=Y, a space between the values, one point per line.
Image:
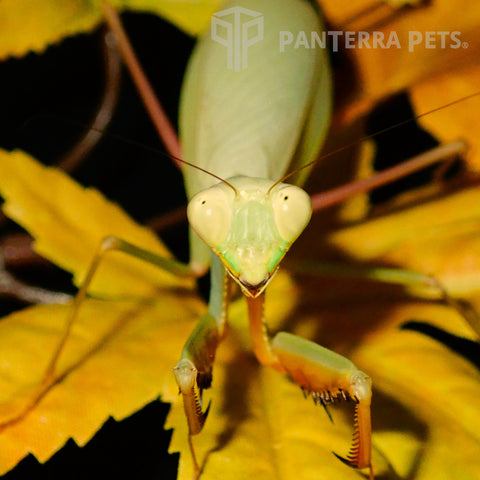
x=375 y=134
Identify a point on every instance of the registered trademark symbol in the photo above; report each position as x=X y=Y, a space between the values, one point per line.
x=465 y=45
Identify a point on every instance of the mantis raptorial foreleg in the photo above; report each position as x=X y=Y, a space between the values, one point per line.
x=328 y=376
x=320 y=372
x=193 y=372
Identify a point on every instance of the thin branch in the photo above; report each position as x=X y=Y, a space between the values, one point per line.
x=11 y=287
x=340 y=194
x=157 y=114
x=104 y=113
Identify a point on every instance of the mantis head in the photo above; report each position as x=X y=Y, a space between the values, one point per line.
x=250 y=225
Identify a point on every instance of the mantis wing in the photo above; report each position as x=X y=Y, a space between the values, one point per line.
x=273 y=110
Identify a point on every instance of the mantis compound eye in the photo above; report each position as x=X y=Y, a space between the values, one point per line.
x=292 y=210
x=210 y=215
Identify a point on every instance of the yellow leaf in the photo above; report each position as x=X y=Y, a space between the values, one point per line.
x=103 y=363
x=424 y=393
x=32 y=25
x=68 y=223
x=440 y=237
x=262 y=427
x=103 y=358
x=130 y=366
x=193 y=16
x=441 y=391
x=456 y=122
x=413 y=46
x=256 y=414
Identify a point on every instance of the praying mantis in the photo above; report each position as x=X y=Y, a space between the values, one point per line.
x=250 y=219
x=286 y=353
x=249 y=222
